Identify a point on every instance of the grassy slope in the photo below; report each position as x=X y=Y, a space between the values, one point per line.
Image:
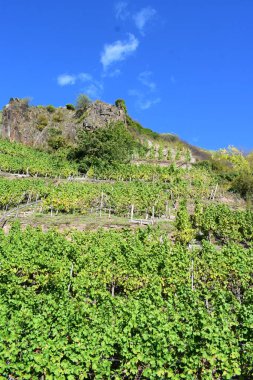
x=164 y=140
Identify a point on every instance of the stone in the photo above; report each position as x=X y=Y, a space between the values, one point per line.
x=20 y=121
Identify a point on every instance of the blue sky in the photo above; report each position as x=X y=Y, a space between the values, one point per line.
x=182 y=66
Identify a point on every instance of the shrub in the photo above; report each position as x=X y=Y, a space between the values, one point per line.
x=50 y=108
x=83 y=102
x=55 y=139
x=243 y=184
x=58 y=117
x=70 y=107
x=222 y=169
x=110 y=144
x=136 y=127
x=120 y=103
x=42 y=122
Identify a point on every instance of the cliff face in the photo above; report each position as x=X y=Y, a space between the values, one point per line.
x=35 y=126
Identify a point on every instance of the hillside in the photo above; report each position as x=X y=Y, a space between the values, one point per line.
x=47 y=127
x=124 y=254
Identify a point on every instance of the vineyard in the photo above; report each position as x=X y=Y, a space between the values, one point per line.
x=171 y=299
x=119 y=305
x=119 y=196
x=17 y=158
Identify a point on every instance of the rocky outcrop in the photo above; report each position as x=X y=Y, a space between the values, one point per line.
x=100 y=114
x=35 y=126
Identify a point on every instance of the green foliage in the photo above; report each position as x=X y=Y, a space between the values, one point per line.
x=103 y=305
x=223 y=224
x=233 y=156
x=120 y=103
x=137 y=128
x=50 y=108
x=80 y=197
x=58 y=116
x=16 y=158
x=55 y=139
x=160 y=153
x=70 y=107
x=185 y=232
x=178 y=155
x=221 y=169
x=111 y=144
x=188 y=155
x=152 y=153
x=243 y=184
x=41 y=122
x=145 y=172
x=14 y=192
x=83 y=102
x=169 y=155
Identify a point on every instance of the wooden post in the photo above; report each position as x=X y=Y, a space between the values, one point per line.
x=132 y=212
x=113 y=288
x=153 y=212
x=101 y=204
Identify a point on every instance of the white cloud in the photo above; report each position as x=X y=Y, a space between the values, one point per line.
x=147 y=96
x=85 y=77
x=121 y=11
x=144 y=101
x=145 y=79
x=143 y=17
x=112 y=74
x=66 y=79
x=147 y=103
x=94 y=89
x=118 y=50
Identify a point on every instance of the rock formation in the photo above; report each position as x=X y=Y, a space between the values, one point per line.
x=35 y=125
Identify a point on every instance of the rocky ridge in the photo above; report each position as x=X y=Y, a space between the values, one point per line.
x=35 y=126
